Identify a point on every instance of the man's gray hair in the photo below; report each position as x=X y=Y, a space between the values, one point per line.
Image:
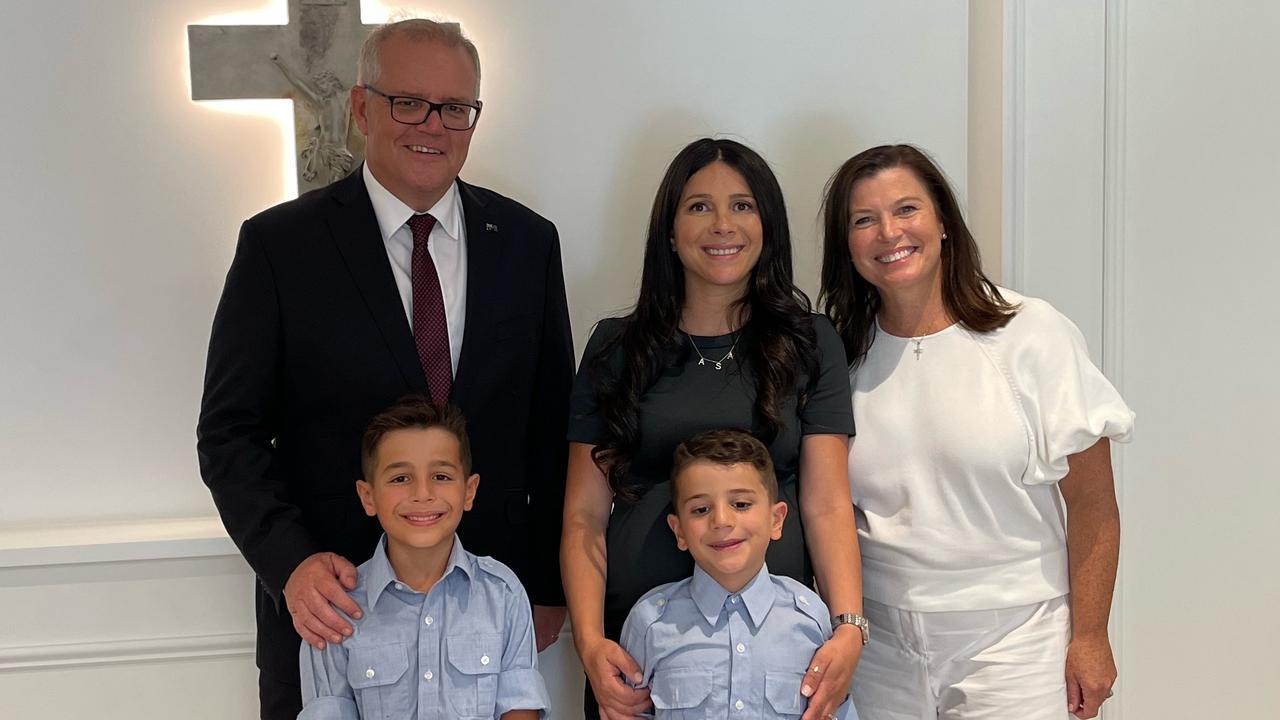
x=418 y=30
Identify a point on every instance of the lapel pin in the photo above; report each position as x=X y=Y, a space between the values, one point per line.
x=491 y=227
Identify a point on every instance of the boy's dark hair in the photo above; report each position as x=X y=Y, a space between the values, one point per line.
x=418 y=413
x=725 y=447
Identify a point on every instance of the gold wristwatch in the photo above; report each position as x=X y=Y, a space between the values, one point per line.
x=855 y=620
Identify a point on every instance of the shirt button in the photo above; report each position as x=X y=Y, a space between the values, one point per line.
x=428 y=619
x=369 y=673
x=399 y=586
x=484 y=659
x=661 y=601
x=739 y=705
x=741 y=648
x=733 y=599
x=427 y=675
x=802 y=599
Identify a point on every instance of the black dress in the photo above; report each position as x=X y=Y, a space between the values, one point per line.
x=686 y=399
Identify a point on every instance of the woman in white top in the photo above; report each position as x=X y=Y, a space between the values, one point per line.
x=979 y=416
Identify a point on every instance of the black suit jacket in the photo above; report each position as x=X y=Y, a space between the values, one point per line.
x=310 y=340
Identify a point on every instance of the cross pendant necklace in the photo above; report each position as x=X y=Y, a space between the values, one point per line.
x=918 y=351
x=703 y=359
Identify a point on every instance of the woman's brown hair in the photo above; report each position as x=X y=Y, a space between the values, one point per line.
x=852 y=302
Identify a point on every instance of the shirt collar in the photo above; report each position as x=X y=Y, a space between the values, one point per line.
x=710 y=596
x=379 y=575
x=392 y=213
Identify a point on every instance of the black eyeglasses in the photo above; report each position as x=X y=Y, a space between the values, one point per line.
x=454 y=115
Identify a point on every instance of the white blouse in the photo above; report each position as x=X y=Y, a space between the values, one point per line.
x=962 y=437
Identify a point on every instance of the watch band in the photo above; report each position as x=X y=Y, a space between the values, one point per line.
x=855 y=620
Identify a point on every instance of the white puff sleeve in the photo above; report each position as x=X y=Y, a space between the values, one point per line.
x=1068 y=403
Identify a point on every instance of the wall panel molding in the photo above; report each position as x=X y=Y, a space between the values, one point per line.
x=137 y=650
x=1013 y=206
x=1113 y=289
x=118 y=541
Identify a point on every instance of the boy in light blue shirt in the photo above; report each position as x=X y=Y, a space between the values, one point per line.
x=445 y=634
x=733 y=640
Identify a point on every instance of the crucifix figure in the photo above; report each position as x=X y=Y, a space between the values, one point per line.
x=326 y=97
x=312 y=61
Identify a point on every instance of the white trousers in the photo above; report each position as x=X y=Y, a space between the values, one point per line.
x=1006 y=664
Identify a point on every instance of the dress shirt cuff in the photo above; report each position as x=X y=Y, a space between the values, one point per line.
x=330 y=708
x=521 y=689
x=285 y=548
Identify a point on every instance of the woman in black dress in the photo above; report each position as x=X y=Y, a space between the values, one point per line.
x=720 y=337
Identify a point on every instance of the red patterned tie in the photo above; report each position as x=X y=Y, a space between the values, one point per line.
x=430 y=330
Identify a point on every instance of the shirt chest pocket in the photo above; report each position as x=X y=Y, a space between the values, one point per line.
x=474 y=663
x=681 y=693
x=376 y=675
x=782 y=692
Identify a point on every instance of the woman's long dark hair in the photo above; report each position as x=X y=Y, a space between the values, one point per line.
x=852 y=302
x=778 y=340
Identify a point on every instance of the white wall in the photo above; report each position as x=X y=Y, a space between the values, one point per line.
x=1201 y=154
x=1169 y=175
x=121 y=200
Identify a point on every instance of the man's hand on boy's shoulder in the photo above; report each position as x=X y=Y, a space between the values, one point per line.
x=315 y=587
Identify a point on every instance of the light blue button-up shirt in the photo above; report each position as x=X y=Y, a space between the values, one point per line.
x=712 y=653
x=464 y=649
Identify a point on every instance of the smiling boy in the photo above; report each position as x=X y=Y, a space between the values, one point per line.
x=444 y=634
x=732 y=639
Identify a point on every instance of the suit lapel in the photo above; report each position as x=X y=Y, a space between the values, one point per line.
x=483 y=269
x=355 y=231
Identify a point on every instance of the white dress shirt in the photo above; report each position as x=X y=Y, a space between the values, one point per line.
x=447 y=245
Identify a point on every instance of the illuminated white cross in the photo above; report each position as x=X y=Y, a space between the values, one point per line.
x=311 y=60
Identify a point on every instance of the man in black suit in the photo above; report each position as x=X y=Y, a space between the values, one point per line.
x=398 y=279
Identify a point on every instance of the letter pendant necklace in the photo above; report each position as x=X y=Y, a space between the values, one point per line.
x=703 y=360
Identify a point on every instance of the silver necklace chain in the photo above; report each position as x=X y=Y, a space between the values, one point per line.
x=919 y=341
x=703 y=359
